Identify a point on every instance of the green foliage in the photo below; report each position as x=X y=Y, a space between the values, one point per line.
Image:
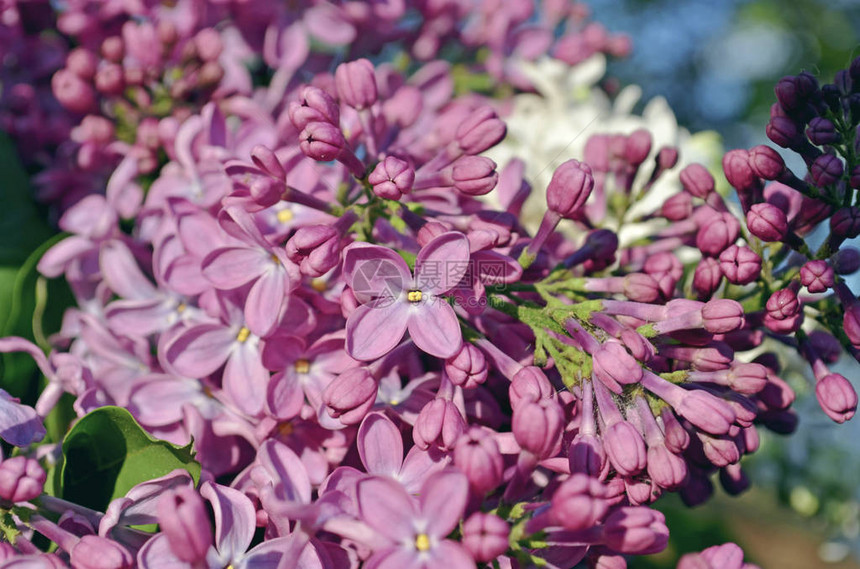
x=107 y=453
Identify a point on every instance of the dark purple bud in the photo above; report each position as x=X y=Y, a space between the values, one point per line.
x=806 y=84
x=439 y=423
x=315 y=248
x=21 y=479
x=350 y=395
x=697 y=180
x=485 y=536
x=767 y=222
x=722 y=315
x=845 y=223
x=837 y=397
x=821 y=132
x=817 y=276
x=766 y=162
x=625 y=448
x=321 y=141
x=482 y=129
x=736 y=166
x=183 y=518
x=707 y=277
x=537 y=426
x=787 y=94
x=477 y=454
x=636 y=531
x=717 y=233
x=637 y=147
x=356 y=83
x=315 y=105
x=578 y=503
x=678 y=207
x=475 y=175
x=392 y=178
x=851 y=323
x=846 y=261
x=569 y=188
x=843 y=82
x=782 y=131
x=854 y=181
x=826 y=169
x=782 y=304
x=94 y=552
x=741 y=265
x=468 y=367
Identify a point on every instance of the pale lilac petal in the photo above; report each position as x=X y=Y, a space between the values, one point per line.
x=200 y=350
x=19 y=424
x=434 y=328
x=419 y=465
x=451 y=555
x=265 y=301
x=156 y=554
x=268 y=555
x=231 y=267
x=139 y=318
x=374 y=272
x=443 y=499
x=372 y=332
x=380 y=445
x=122 y=272
x=158 y=402
x=281 y=350
x=284 y=395
x=245 y=379
x=395 y=558
x=441 y=264
x=53 y=262
x=329 y=25
x=287 y=471
x=235 y=519
x=386 y=507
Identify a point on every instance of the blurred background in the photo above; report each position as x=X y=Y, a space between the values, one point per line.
x=716 y=63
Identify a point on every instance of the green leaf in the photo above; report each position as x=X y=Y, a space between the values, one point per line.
x=21 y=225
x=107 y=453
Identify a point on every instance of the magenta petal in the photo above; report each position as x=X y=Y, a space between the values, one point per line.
x=419 y=465
x=434 y=328
x=374 y=272
x=231 y=267
x=443 y=499
x=372 y=332
x=287 y=471
x=235 y=519
x=265 y=301
x=380 y=445
x=396 y=558
x=245 y=379
x=200 y=350
x=451 y=555
x=441 y=263
x=387 y=508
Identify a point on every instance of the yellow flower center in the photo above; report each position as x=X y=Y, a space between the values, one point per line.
x=318 y=285
x=181 y=308
x=302 y=366
x=243 y=334
x=285 y=216
x=285 y=429
x=414 y=296
x=422 y=542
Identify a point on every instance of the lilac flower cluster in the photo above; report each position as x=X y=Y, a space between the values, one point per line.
x=297 y=271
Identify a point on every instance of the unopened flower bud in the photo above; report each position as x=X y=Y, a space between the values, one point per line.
x=837 y=397
x=529 y=384
x=707 y=412
x=707 y=277
x=73 y=92
x=481 y=130
x=315 y=248
x=717 y=233
x=697 y=180
x=485 y=536
x=356 y=83
x=477 y=454
x=766 y=162
x=736 y=166
x=94 y=552
x=722 y=315
x=782 y=304
x=321 y=141
x=677 y=207
x=474 y=175
x=569 y=188
x=821 y=131
x=845 y=223
x=392 y=178
x=468 y=367
x=826 y=169
x=350 y=395
x=640 y=287
x=740 y=265
x=625 y=448
x=747 y=378
x=767 y=222
x=667 y=157
x=578 y=503
x=208 y=44
x=538 y=425
x=636 y=531
x=82 y=62
x=439 y=423
x=782 y=131
x=183 y=518
x=637 y=147
x=846 y=261
x=21 y=479
x=315 y=105
x=665 y=468
x=586 y=455
x=614 y=366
